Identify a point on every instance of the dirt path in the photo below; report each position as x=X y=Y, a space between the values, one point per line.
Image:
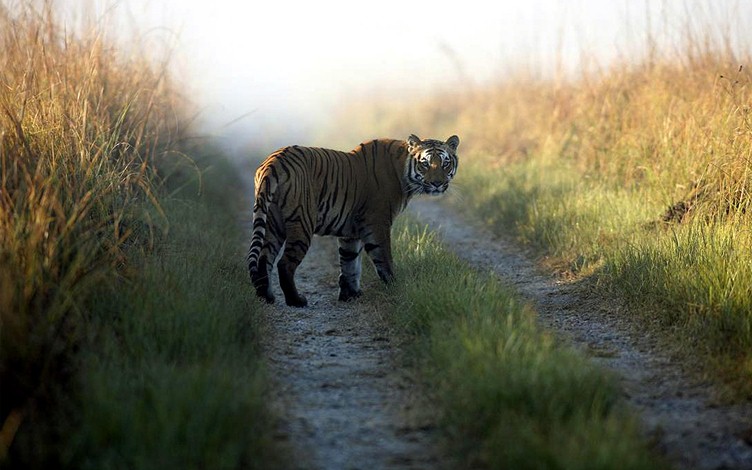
x=344 y=402
x=342 y=398
x=693 y=429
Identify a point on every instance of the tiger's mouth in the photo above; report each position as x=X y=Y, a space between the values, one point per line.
x=434 y=190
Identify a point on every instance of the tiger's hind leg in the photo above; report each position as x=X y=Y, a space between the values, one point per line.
x=260 y=280
x=296 y=246
x=273 y=241
x=350 y=267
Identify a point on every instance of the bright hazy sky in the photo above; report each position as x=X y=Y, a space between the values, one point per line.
x=285 y=64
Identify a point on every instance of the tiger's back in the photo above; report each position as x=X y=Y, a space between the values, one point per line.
x=333 y=189
x=302 y=191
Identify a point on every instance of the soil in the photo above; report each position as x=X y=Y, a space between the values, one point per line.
x=343 y=398
x=679 y=409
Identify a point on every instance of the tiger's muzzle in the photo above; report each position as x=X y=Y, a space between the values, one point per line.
x=435 y=188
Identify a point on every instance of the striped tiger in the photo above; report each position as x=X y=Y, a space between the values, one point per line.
x=356 y=195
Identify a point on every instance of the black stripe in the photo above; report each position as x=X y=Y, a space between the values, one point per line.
x=347 y=255
x=373 y=157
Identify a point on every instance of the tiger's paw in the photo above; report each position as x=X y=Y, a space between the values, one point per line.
x=346 y=294
x=298 y=301
x=265 y=295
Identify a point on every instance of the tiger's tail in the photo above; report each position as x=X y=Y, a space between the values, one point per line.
x=266 y=186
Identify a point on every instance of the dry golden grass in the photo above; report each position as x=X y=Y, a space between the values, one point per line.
x=670 y=123
x=82 y=129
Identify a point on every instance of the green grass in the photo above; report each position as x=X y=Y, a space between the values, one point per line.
x=510 y=395
x=170 y=376
x=551 y=207
x=693 y=279
x=700 y=276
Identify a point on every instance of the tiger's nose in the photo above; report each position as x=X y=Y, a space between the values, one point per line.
x=437 y=184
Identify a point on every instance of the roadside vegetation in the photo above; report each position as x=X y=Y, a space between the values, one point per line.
x=127 y=338
x=509 y=394
x=170 y=375
x=635 y=176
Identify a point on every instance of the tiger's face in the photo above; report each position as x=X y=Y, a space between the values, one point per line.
x=431 y=164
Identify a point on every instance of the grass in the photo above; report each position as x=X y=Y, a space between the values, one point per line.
x=82 y=131
x=509 y=394
x=171 y=376
x=636 y=174
x=691 y=278
x=126 y=335
x=699 y=276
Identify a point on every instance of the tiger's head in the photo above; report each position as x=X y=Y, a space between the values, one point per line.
x=431 y=164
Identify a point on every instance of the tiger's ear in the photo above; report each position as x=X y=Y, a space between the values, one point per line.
x=413 y=141
x=453 y=142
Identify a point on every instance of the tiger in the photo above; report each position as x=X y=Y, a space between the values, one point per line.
x=302 y=191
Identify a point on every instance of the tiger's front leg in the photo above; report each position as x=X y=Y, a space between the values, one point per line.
x=350 y=267
x=378 y=245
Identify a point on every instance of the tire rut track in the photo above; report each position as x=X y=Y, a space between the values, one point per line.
x=342 y=399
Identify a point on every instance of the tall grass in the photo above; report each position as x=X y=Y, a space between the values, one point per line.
x=82 y=129
x=169 y=374
x=640 y=172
